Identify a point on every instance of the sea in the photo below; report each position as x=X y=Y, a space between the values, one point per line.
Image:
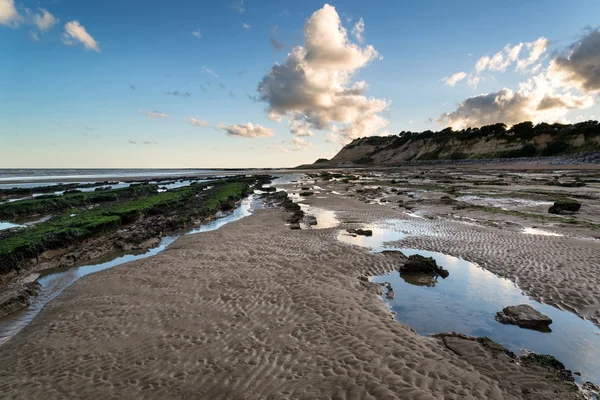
x=40 y=177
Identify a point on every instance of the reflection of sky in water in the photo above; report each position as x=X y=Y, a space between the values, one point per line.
x=7 y=225
x=375 y=242
x=535 y=231
x=56 y=280
x=467 y=302
x=325 y=218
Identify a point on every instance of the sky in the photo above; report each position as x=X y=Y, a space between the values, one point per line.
x=198 y=84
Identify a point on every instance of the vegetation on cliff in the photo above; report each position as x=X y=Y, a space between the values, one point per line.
x=521 y=140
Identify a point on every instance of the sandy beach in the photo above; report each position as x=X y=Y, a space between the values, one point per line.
x=256 y=310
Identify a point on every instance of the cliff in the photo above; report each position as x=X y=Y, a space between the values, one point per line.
x=492 y=141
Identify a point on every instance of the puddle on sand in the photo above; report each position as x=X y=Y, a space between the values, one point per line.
x=536 y=231
x=325 y=218
x=467 y=302
x=381 y=235
x=54 y=281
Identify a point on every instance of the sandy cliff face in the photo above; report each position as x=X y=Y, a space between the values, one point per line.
x=393 y=150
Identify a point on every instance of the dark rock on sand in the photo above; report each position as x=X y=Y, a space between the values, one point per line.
x=294 y=225
x=306 y=194
x=361 y=232
x=550 y=363
x=268 y=189
x=524 y=316
x=310 y=220
x=18 y=296
x=417 y=264
x=568 y=205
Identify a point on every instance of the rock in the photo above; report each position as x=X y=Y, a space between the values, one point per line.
x=564 y=205
x=305 y=188
x=524 y=316
x=268 y=189
x=310 y=220
x=591 y=389
x=417 y=264
x=549 y=363
x=362 y=232
x=294 y=225
x=306 y=194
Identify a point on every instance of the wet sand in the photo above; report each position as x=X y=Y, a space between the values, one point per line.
x=255 y=310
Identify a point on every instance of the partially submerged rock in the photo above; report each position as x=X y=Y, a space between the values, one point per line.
x=417 y=264
x=310 y=220
x=268 y=188
x=550 y=363
x=306 y=194
x=565 y=206
x=524 y=316
x=360 y=232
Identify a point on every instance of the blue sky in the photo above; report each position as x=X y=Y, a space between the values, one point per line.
x=66 y=103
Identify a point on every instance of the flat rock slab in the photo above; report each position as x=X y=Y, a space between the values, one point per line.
x=524 y=316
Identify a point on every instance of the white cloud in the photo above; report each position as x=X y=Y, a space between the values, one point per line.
x=473 y=81
x=536 y=49
x=299 y=128
x=570 y=82
x=9 y=15
x=209 y=71
x=196 y=122
x=249 y=130
x=246 y=26
x=239 y=6
x=313 y=87
x=197 y=33
x=131 y=141
x=300 y=143
x=359 y=29
x=45 y=20
x=74 y=31
x=154 y=114
x=454 y=79
x=34 y=36
x=510 y=55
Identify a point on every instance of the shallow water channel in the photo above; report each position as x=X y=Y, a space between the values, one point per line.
x=54 y=281
x=468 y=300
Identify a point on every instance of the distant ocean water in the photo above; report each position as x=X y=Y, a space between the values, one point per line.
x=8 y=175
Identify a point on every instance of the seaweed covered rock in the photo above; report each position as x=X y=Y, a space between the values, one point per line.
x=417 y=264
x=564 y=205
x=524 y=316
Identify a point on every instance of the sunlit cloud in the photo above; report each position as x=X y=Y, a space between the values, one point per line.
x=45 y=20
x=358 y=30
x=248 y=130
x=196 y=122
x=197 y=34
x=75 y=32
x=313 y=87
x=246 y=26
x=569 y=82
x=154 y=114
x=452 y=80
x=9 y=15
